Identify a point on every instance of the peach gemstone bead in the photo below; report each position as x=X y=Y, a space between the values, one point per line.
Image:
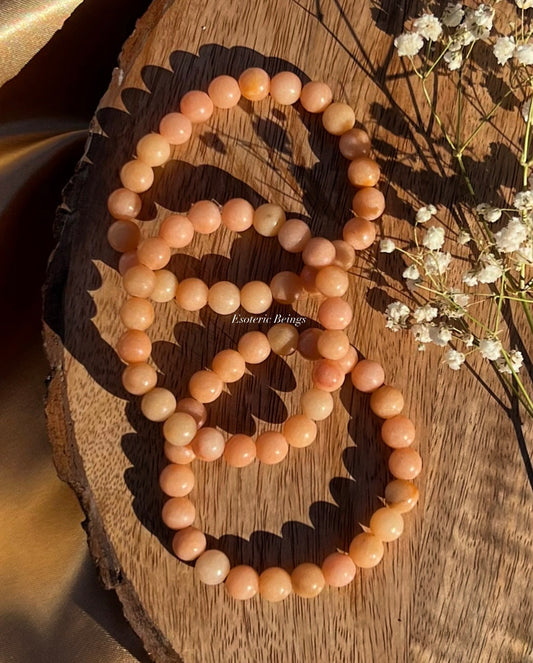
x=368 y=203
x=405 y=463
x=308 y=279
x=191 y=294
x=176 y=480
x=332 y=281
x=274 y=584
x=256 y=297
x=268 y=219
x=318 y=252
x=224 y=297
x=286 y=287
x=136 y=176
x=165 y=286
x=386 y=402
x=197 y=106
x=307 y=580
x=180 y=455
x=193 y=407
x=363 y=171
x=237 y=215
x=137 y=313
x=338 y=118
x=208 y=444
x=229 y=365
x=176 y=128
x=398 y=432
x=138 y=379
x=153 y=150
x=338 y=569
x=242 y=582
x=180 y=428
x=285 y=88
x=205 y=217
x=158 y=404
x=134 y=346
x=127 y=261
x=349 y=360
x=178 y=513
x=386 y=524
x=308 y=343
x=316 y=96
x=333 y=344
x=205 y=386
x=327 y=375
x=123 y=236
x=177 y=231
x=354 y=143
x=139 y=281
x=254 y=347
x=367 y=376
x=283 y=339
x=401 y=495
x=366 y=550
x=359 y=233
x=294 y=235
x=335 y=313
x=124 y=204
x=153 y=252
x=299 y=431
x=344 y=254
x=239 y=451
x=317 y=404
x=254 y=84
x=224 y=92
x=189 y=543
x=212 y=567
x=271 y=447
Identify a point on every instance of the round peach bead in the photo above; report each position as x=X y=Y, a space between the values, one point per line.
x=338 y=118
x=136 y=176
x=239 y=451
x=274 y=584
x=205 y=386
x=158 y=404
x=124 y=204
x=180 y=428
x=308 y=343
x=224 y=298
x=254 y=84
x=405 y=463
x=205 y=217
x=197 y=106
x=191 y=294
x=254 y=347
x=335 y=313
x=271 y=447
x=318 y=252
x=327 y=375
x=333 y=344
x=153 y=150
x=386 y=402
x=359 y=233
x=139 y=281
x=178 y=513
x=363 y=171
x=317 y=404
x=176 y=480
x=176 y=128
x=237 y=215
x=349 y=360
x=268 y=219
x=256 y=297
x=229 y=365
x=307 y=580
x=294 y=235
x=299 y=431
x=127 y=261
x=398 y=432
x=208 y=444
x=386 y=524
x=123 y=236
x=401 y=495
x=368 y=203
x=367 y=376
x=134 y=346
x=177 y=231
x=332 y=281
x=283 y=339
x=316 y=97
x=180 y=455
x=165 y=286
x=212 y=567
x=188 y=544
x=354 y=143
x=153 y=252
x=286 y=287
x=344 y=254
x=242 y=582
x=366 y=550
x=139 y=379
x=285 y=88
x=338 y=569
x=224 y=92
x=137 y=313
x=193 y=407
x=308 y=279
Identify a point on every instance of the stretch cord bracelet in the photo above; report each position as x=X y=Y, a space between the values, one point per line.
x=142 y=265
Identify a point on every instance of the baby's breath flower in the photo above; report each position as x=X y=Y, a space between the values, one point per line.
x=408 y=44
x=434 y=238
x=511 y=237
x=524 y=54
x=504 y=49
x=524 y=4
x=515 y=358
x=387 y=245
x=491 y=269
x=454 y=359
x=428 y=27
x=454 y=59
x=397 y=314
x=463 y=237
x=437 y=263
x=470 y=278
x=479 y=20
x=468 y=339
x=411 y=273
x=489 y=213
x=460 y=298
x=523 y=200
x=425 y=213
x=441 y=335
x=452 y=15
x=421 y=332
x=526 y=107
x=425 y=313
x=490 y=349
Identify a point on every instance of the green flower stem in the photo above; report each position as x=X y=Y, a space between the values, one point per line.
x=528 y=404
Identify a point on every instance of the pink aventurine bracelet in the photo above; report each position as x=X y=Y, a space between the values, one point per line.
x=142 y=265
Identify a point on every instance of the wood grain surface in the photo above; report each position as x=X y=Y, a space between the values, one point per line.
x=456 y=586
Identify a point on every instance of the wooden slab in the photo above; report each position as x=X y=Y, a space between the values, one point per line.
x=454 y=588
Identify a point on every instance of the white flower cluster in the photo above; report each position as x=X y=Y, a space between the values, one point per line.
x=505 y=48
x=425 y=27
